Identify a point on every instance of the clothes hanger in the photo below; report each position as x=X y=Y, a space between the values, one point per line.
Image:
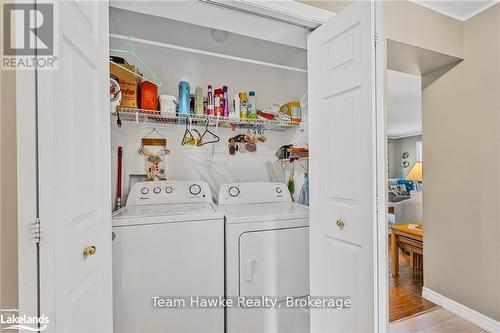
x=131 y=51
x=199 y=137
x=188 y=137
x=215 y=139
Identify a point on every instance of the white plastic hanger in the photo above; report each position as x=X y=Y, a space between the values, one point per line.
x=156 y=80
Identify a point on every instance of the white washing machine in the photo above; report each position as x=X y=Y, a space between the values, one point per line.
x=267 y=254
x=167 y=241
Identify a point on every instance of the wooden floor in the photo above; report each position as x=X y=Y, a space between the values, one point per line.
x=405 y=290
x=437 y=320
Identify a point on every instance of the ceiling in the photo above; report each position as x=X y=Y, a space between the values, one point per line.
x=458 y=9
x=404 y=104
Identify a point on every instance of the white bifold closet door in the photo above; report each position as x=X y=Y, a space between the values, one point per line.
x=74 y=174
x=342 y=104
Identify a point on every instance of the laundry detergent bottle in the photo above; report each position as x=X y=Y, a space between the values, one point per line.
x=184 y=97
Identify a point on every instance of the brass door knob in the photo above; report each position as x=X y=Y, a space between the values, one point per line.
x=89 y=250
x=340 y=224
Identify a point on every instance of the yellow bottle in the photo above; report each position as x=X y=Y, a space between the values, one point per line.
x=243 y=105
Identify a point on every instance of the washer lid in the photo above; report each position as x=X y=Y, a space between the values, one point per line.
x=167 y=212
x=243 y=213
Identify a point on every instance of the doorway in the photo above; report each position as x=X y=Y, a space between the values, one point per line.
x=50 y=284
x=407 y=75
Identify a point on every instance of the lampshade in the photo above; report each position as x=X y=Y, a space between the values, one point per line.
x=415 y=174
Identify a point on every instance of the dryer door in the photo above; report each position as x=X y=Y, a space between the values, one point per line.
x=275 y=263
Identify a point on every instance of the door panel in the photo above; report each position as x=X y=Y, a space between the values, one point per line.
x=341 y=78
x=275 y=263
x=341 y=261
x=342 y=128
x=74 y=173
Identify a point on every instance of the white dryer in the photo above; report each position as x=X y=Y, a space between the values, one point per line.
x=267 y=254
x=167 y=241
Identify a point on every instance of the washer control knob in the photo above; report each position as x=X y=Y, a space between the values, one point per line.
x=144 y=190
x=195 y=189
x=157 y=190
x=234 y=191
x=169 y=189
x=279 y=190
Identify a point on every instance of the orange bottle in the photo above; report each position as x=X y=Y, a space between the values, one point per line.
x=149 y=96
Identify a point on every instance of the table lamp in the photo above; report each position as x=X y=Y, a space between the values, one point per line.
x=415 y=174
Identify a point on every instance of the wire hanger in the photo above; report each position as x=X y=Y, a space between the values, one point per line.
x=215 y=139
x=188 y=137
x=156 y=81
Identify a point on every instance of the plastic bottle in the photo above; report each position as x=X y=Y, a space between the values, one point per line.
x=184 y=97
x=198 y=102
x=218 y=102
x=235 y=111
x=210 y=101
x=225 y=102
x=251 y=106
x=243 y=105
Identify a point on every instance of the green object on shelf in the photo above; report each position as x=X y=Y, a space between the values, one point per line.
x=291 y=183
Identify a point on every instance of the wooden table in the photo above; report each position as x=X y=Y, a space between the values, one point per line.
x=403 y=237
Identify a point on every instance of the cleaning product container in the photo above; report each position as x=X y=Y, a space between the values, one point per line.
x=184 y=97
x=252 y=106
x=243 y=105
x=294 y=110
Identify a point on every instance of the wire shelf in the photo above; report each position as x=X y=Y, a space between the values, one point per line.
x=156 y=117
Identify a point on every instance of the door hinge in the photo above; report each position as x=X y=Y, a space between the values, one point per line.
x=377 y=204
x=375 y=38
x=36 y=230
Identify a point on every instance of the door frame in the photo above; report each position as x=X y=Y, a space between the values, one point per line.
x=27 y=192
x=381 y=236
x=27 y=189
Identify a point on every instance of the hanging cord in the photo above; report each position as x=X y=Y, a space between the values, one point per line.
x=118 y=119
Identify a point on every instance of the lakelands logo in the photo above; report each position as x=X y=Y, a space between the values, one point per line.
x=10 y=319
x=28 y=38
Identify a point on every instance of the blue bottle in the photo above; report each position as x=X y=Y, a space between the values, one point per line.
x=184 y=96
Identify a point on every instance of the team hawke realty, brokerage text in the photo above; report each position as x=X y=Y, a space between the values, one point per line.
x=263 y=302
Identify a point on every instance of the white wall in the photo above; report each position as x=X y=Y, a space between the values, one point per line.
x=404 y=104
x=272 y=85
x=198 y=163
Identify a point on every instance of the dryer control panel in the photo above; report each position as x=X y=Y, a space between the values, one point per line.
x=262 y=192
x=163 y=192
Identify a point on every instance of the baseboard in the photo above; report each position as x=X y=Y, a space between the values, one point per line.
x=478 y=319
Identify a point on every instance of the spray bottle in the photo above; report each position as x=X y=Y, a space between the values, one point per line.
x=210 y=101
